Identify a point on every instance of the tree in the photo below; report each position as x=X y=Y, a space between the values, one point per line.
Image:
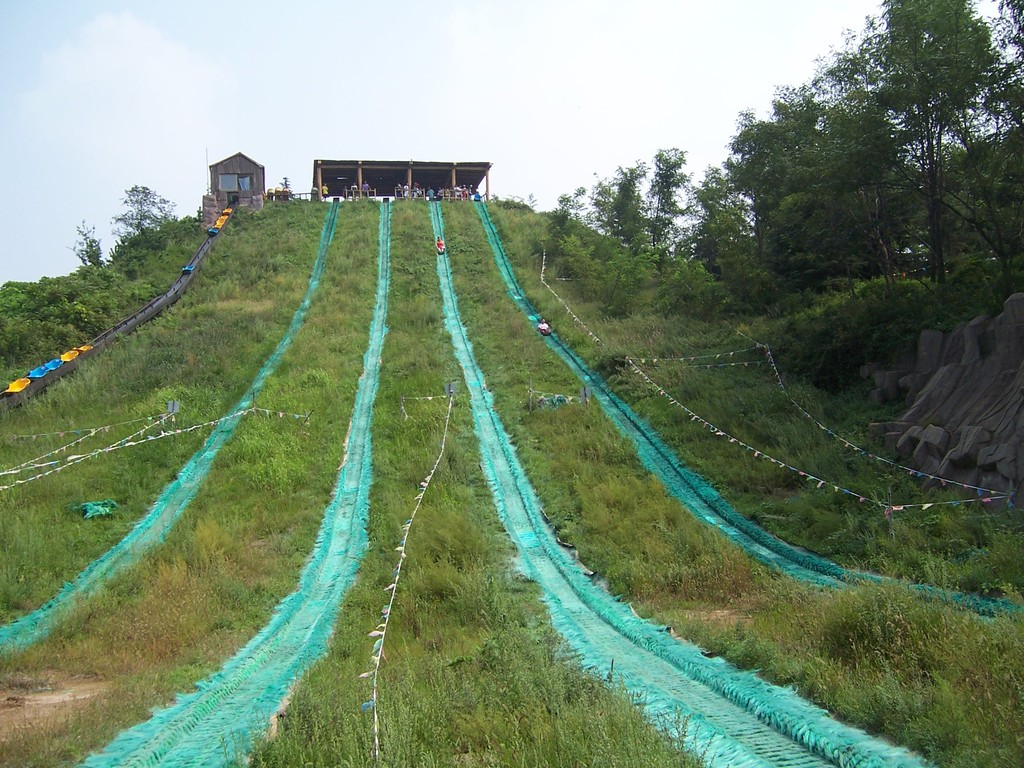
x=990 y=199
x=858 y=159
x=1010 y=32
x=721 y=240
x=720 y=222
x=87 y=247
x=776 y=166
x=571 y=209
x=757 y=170
x=146 y=211
x=663 y=206
x=618 y=207
x=936 y=59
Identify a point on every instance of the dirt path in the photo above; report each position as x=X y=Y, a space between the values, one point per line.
x=39 y=702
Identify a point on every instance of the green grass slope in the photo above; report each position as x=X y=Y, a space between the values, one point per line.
x=472 y=673
x=238 y=548
x=470 y=640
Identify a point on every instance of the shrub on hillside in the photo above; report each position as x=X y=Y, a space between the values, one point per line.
x=40 y=320
x=831 y=336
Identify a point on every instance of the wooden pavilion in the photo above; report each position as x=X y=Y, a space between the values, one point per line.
x=346 y=178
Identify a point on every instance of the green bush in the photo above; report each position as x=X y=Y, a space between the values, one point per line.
x=830 y=336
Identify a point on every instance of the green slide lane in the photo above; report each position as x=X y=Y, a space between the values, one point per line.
x=731 y=717
x=218 y=724
x=176 y=496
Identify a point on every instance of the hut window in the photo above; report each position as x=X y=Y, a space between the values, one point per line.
x=245 y=183
x=229 y=182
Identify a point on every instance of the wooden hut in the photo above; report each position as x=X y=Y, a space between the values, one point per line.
x=234 y=181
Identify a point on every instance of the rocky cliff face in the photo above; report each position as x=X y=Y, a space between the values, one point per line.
x=965 y=402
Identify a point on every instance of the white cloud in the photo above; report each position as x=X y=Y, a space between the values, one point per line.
x=117 y=105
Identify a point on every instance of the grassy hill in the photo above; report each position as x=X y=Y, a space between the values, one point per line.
x=474 y=675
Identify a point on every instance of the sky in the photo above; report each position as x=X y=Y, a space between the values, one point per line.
x=97 y=96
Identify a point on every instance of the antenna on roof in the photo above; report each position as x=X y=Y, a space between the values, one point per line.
x=209 y=188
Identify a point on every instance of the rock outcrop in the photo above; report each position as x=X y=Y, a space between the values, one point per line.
x=965 y=402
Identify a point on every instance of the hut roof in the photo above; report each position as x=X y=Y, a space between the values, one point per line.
x=236 y=156
x=385 y=175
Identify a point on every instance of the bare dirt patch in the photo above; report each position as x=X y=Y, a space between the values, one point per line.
x=28 y=702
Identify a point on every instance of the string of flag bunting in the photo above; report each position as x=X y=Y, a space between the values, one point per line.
x=983 y=495
x=380 y=632
x=819 y=482
x=692 y=358
x=80 y=430
x=573 y=315
x=943 y=481
x=38 y=461
x=690 y=364
x=132 y=440
x=63 y=463
x=280 y=414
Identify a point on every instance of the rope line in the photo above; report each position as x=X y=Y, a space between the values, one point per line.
x=690 y=358
x=80 y=430
x=818 y=481
x=281 y=414
x=38 y=460
x=985 y=495
x=979 y=490
x=403 y=398
x=744 y=364
x=381 y=630
x=573 y=315
x=130 y=442
x=70 y=461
